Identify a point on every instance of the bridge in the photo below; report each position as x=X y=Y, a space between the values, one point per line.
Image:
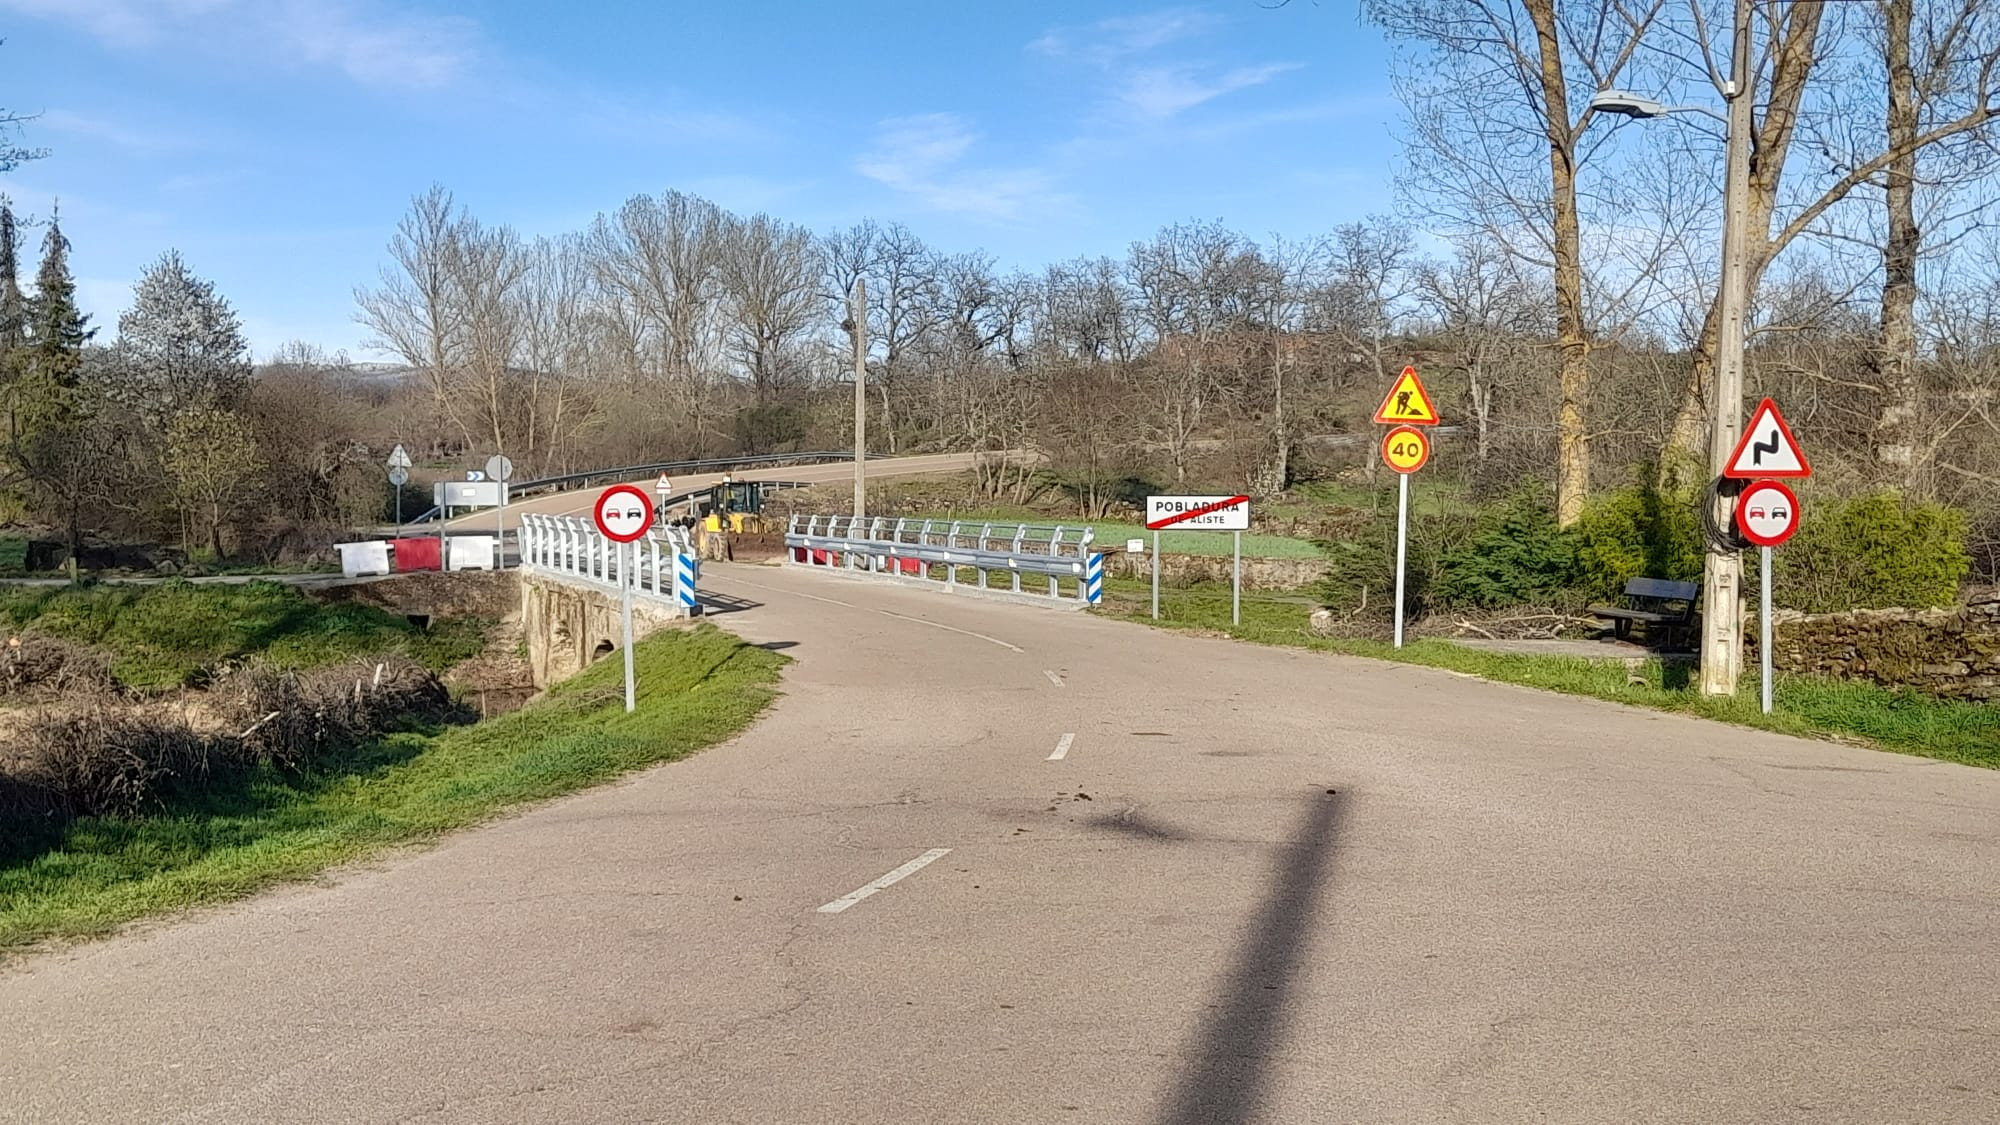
x=984 y=863
x=577 y=502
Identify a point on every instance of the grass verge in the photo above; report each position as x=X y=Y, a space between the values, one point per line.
x=166 y=635
x=696 y=688
x=1904 y=722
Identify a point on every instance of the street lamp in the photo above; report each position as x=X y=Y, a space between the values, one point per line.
x=1722 y=566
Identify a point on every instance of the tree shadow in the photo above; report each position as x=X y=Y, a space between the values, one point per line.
x=1231 y=1055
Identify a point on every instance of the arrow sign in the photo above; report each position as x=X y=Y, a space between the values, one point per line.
x=1767 y=448
x=1407 y=404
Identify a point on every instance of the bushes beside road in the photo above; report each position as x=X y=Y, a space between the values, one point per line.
x=696 y=688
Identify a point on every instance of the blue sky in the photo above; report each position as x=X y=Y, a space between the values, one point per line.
x=276 y=143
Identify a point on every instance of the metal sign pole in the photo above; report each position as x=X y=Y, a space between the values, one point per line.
x=1402 y=545
x=399 y=511
x=1156 y=576
x=631 y=562
x=1764 y=638
x=500 y=530
x=1236 y=582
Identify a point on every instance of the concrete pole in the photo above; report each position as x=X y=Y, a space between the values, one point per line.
x=1722 y=568
x=858 y=314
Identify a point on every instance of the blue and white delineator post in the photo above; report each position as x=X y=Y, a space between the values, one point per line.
x=1093 y=578
x=687 y=568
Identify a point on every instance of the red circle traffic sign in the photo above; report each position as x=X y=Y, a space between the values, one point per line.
x=623 y=513
x=1406 y=449
x=1767 y=513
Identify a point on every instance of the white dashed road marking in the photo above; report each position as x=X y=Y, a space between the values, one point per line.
x=1062 y=748
x=893 y=877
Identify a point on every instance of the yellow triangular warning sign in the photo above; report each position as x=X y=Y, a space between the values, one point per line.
x=1408 y=404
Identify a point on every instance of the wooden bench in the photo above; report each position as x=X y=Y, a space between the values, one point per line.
x=1665 y=609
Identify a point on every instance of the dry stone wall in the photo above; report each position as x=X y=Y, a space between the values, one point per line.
x=1947 y=652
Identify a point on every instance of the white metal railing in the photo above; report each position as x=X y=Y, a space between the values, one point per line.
x=574 y=548
x=941 y=548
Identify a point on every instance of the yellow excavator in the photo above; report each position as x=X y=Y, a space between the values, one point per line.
x=732 y=520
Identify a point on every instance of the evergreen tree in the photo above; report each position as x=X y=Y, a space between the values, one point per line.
x=46 y=394
x=50 y=445
x=13 y=304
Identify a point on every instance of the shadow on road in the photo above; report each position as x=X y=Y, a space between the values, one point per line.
x=712 y=604
x=1232 y=1054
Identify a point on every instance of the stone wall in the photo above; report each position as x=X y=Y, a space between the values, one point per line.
x=1946 y=652
x=1186 y=570
x=567 y=625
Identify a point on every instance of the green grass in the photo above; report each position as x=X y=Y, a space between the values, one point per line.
x=695 y=688
x=166 y=635
x=1904 y=722
x=1111 y=535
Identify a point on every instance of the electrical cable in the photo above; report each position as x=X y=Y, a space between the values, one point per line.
x=1720 y=537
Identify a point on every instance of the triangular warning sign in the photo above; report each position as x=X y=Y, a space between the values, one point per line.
x=1767 y=448
x=1407 y=404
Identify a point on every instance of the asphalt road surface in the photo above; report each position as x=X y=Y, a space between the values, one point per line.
x=1137 y=877
x=577 y=502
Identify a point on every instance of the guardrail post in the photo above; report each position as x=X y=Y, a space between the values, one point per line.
x=685 y=569
x=654 y=544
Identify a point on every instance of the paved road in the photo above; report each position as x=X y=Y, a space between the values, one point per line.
x=578 y=501
x=1259 y=885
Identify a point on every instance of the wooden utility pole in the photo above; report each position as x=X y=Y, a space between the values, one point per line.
x=857 y=318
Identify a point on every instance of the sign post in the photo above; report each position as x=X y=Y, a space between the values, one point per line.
x=624 y=514
x=1200 y=513
x=1156 y=575
x=1767 y=514
x=499 y=468
x=1405 y=449
x=1236 y=581
x=399 y=475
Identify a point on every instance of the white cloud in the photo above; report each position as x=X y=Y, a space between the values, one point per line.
x=368 y=41
x=1106 y=41
x=1162 y=91
x=1126 y=52
x=921 y=156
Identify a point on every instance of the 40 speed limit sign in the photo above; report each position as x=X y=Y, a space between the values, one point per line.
x=1406 y=449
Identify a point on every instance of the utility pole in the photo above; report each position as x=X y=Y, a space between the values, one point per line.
x=857 y=319
x=1722 y=567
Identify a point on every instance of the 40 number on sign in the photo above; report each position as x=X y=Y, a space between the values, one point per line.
x=1406 y=449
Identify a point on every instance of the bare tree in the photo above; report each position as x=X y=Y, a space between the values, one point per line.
x=770 y=281
x=414 y=313
x=1500 y=147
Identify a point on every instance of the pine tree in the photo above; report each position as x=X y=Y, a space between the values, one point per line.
x=13 y=304
x=49 y=446
x=46 y=394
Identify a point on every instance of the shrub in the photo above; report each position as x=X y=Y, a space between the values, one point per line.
x=1873 y=552
x=1518 y=556
x=306 y=720
x=115 y=761
x=1636 y=532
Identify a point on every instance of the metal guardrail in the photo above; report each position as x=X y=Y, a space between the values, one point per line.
x=880 y=545
x=573 y=548
x=630 y=472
